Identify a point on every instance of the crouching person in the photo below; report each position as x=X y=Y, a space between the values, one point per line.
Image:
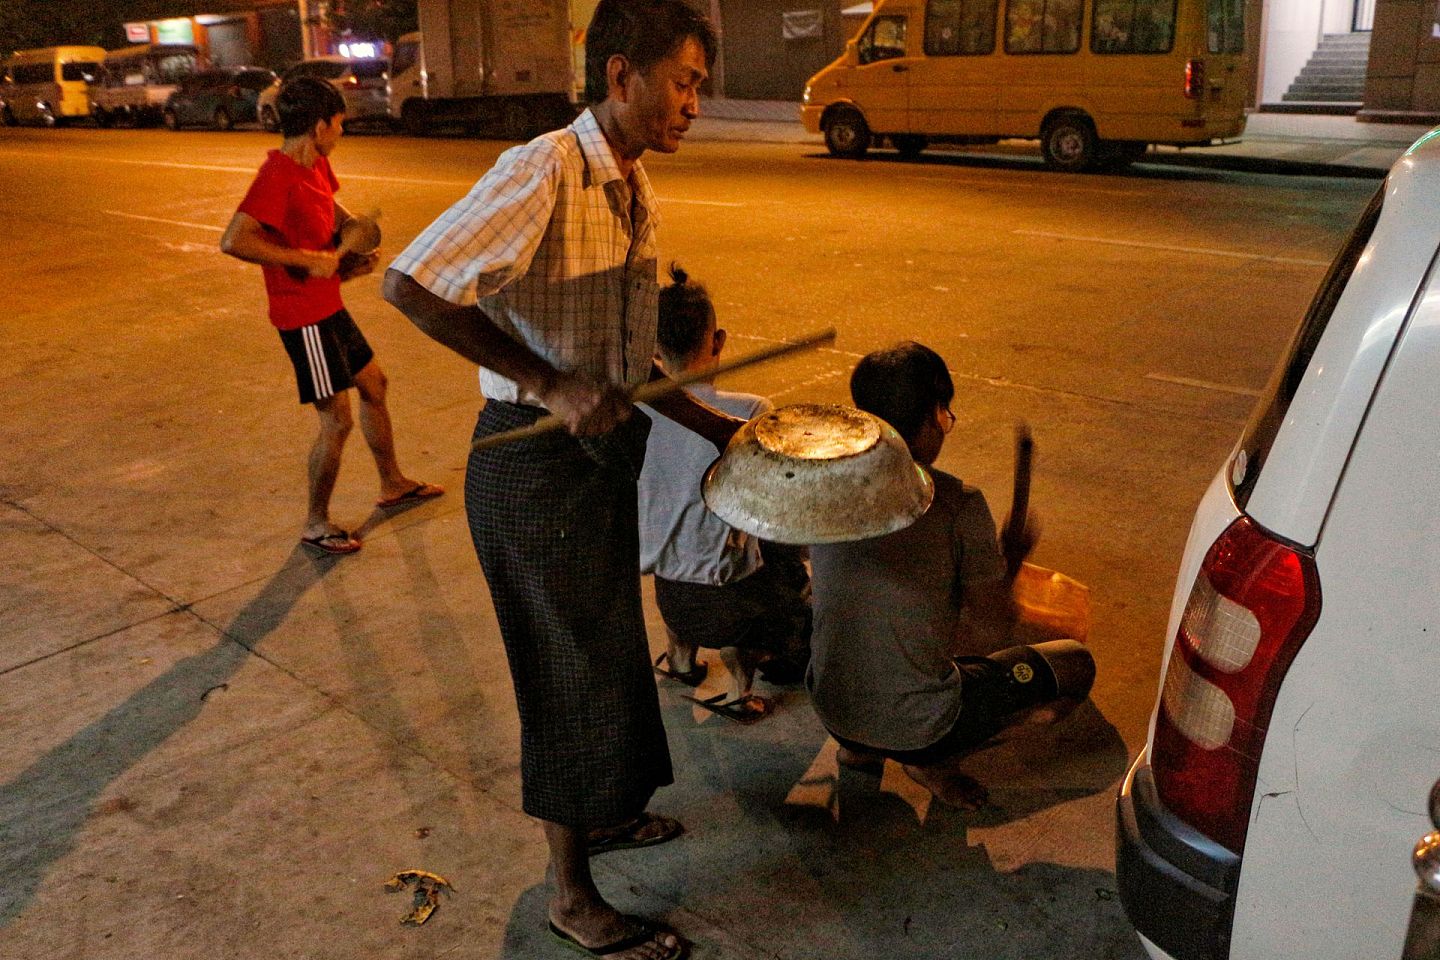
x=884 y=676
x=716 y=587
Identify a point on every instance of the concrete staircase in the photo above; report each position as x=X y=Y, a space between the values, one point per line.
x=1334 y=79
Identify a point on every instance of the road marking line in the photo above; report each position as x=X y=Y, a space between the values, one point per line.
x=1203 y=384
x=371 y=178
x=224 y=169
x=991 y=184
x=701 y=203
x=176 y=223
x=1208 y=251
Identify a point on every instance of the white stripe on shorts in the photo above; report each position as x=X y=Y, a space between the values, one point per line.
x=319 y=370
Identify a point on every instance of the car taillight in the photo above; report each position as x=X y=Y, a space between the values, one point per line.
x=1194 y=79
x=352 y=81
x=1254 y=602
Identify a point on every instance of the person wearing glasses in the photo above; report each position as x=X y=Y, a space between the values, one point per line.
x=893 y=672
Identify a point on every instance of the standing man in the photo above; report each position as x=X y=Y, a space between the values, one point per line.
x=287 y=223
x=545 y=276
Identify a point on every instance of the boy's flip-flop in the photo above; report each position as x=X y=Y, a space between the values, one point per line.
x=646 y=830
x=421 y=491
x=691 y=678
x=338 y=543
x=748 y=709
x=646 y=933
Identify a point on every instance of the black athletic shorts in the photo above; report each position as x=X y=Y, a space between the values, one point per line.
x=326 y=355
x=993 y=690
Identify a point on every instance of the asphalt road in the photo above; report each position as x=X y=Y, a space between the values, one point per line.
x=1130 y=320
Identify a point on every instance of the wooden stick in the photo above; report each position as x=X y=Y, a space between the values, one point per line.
x=655 y=389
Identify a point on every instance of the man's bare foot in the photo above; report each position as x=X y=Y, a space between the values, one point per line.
x=950 y=787
x=599 y=929
x=860 y=760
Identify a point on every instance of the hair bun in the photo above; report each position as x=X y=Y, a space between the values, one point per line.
x=678 y=274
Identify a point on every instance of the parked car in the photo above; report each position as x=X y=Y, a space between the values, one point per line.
x=364 y=83
x=1269 y=813
x=217 y=98
x=137 y=81
x=48 y=86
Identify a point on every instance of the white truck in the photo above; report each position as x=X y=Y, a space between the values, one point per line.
x=504 y=68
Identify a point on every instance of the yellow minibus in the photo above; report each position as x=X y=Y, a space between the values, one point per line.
x=50 y=85
x=1095 y=81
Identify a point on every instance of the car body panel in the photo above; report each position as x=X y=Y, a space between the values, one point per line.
x=1305 y=462
x=1348 y=757
x=235 y=90
x=366 y=99
x=1354 y=732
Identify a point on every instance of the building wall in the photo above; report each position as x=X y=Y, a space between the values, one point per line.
x=1403 y=79
x=1292 y=31
x=760 y=64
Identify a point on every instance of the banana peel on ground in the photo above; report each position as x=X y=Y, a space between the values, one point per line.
x=427 y=892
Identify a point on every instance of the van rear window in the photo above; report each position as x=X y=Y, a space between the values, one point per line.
x=1275 y=402
x=1227 y=26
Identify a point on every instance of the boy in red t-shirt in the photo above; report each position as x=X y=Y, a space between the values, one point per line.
x=287 y=224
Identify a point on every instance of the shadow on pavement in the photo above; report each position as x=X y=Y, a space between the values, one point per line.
x=787 y=854
x=43 y=809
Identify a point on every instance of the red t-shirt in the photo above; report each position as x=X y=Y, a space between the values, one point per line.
x=296 y=205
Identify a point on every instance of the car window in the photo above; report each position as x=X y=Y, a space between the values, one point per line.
x=885 y=40
x=959 y=27
x=405 y=56
x=1133 y=26
x=1227 y=26
x=80 y=70
x=1275 y=403
x=34 y=73
x=1042 y=26
x=328 y=69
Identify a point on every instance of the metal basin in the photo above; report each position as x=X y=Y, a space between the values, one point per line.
x=813 y=473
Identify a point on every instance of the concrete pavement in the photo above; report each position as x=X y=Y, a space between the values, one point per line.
x=221 y=746
x=1272 y=142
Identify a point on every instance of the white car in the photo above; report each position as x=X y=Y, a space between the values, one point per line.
x=1297 y=732
x=363 y=82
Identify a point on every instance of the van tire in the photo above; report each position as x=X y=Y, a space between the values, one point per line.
x=269 y=121
x=223 y=120
x=7 y=119
x=909 y=145
x=1068 y=142
x=172 y=120
x=102 y=117
x=847 y=134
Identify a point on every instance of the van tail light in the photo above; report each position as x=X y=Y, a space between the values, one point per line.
x=1254 y=602
x=1194 y=79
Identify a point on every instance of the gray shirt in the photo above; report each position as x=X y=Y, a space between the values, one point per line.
x=680 y=539
x=887 y=613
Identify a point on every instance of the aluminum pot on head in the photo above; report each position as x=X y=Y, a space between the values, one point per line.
x=817 y=473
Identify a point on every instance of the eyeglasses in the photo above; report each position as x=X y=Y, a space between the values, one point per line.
x=948 y=423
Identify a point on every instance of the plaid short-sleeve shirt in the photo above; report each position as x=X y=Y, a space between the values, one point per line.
x=558 y=249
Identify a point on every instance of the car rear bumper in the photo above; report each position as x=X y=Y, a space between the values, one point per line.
x=1177 y=886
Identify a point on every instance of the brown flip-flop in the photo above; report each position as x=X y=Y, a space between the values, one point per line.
x=421 y=491
x=338 y=543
